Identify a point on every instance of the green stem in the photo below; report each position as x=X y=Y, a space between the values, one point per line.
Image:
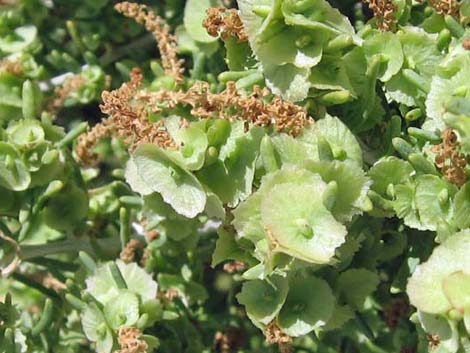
x=69 y=245
x=35 y=285
x=73 y=134
x=124 y=231
x=123 y=51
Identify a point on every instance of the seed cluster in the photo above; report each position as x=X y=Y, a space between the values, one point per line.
x=449 y=160
x=128 y=253
x=13 y=67
x=224 y=23
x=230 y=104
x=384 y=13
x=445 y=7
x=129 y=338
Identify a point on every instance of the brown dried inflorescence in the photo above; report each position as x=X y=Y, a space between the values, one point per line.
x=12 y=67
x=128 y=253
x=230 y=104
x=449 y=160
x=466 y=43
x=167 y=44
x=61 y=93
x=127 y=118
x=398 y=308
x=384 y=13
x=274 y=334
x=224 y=23
x=129 y=338
x=234 y=267
x=434 y=341
x=445 y=7
x=168 y=295
x=229 y=341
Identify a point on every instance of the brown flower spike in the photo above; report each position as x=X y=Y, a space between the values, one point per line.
x=166 y=41
x=230 y=104
x=127 y=119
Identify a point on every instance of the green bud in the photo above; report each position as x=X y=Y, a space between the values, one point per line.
x=454 y=27
x=422 y=164
x=414 y=114
x=402 y=147
x=417 y=80
x=262 y=10
x=443 y=39
x=336 y=97
x=424 y=135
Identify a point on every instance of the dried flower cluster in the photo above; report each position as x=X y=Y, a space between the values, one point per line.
x=234 y=267
x=61 y=93
x=445 y=7
x=12 y=67
x=449 y=160
x=466 y=43
x=128 y=253
x=130 y=341
x=224 y=23
x=168 y=295
x=166 y=41
x=384 y=13
x=398 y=308
x=230 y=341
x=434 y=341
x=127 y=119
x=274 y=334
x=230 y=104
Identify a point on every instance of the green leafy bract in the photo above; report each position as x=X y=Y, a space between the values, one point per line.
x=122 y=310
x=298 y=223
x=426 y=285
x=96 y=328
x=160 y=174
x=104 y=289
x=309 y=305
x=342 y=142
x=263 y=299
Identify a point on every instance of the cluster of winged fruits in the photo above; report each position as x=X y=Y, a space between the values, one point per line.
x=235 y=176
